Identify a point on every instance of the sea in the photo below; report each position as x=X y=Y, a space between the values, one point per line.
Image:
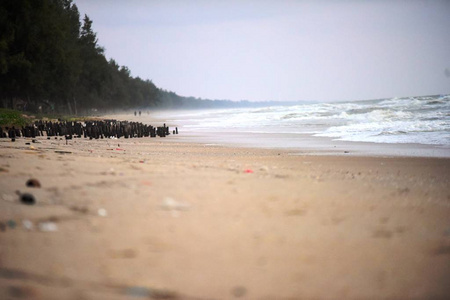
x=421 y=120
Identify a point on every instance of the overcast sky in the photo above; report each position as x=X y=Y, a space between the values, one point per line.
x=279 y=50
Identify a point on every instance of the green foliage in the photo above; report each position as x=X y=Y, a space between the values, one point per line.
x=9 y=117
x=52 y=61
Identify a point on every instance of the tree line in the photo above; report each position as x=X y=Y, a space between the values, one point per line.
x=50 y=61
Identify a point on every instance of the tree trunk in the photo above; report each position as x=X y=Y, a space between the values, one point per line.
x=69 y=107
x=75 y=105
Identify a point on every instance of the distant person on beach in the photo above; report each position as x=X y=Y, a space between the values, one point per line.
x=135 y=113
x=139 y=113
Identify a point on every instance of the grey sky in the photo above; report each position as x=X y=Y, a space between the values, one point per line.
x=280 y=50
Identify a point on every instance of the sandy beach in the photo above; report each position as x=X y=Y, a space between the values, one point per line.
x=165 y=219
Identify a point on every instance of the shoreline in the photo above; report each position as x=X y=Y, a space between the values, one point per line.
x=297 y=144
x=196 y=221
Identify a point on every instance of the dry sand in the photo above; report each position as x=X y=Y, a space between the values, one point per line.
x=161 y=219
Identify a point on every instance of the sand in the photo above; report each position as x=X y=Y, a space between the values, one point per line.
x=159 y=218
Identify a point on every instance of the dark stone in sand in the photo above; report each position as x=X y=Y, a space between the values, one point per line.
x=27 y=199
x=239 y=291
x=33 y=183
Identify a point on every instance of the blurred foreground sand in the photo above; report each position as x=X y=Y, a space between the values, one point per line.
x=137 y=218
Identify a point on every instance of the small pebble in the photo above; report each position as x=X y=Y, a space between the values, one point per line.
x=27 y=199
x=33 y=183
x=171 y=204
x=28 y=224
x=11 y=224
x=48 y=227
x=102 y=212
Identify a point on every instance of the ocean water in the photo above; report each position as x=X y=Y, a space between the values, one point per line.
x=418 y=120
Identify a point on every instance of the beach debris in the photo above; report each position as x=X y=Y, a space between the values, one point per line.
x=264 y=168
x=248 y=171
x=48 y=227
x=111 y=171
x=4 y=170
x=173 y=205
x=63 y=152
x=239 y=291
x=27 y=199
x=33 y=183
x=11 y=224
x=82 y=209
x=119 y=149
x=145 y=292
x=27 y=144
x=27 y=224
x=102 y=212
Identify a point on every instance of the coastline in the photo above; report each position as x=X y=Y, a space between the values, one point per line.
x=294 y=143
x=192 y=220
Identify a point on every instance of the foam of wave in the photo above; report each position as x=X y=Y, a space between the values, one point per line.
x=424 y=120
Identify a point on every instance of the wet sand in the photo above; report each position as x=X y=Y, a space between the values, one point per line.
x=159 y=218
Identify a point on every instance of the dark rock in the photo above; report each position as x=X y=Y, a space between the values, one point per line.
x=33 y=183
x=27 y=199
